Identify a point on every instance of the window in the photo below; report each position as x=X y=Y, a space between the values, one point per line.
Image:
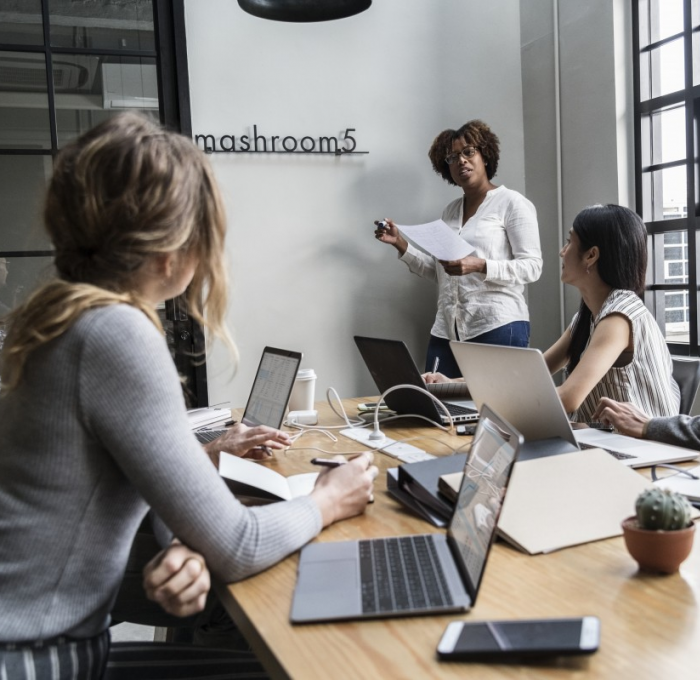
x=667 y=144
x=64 y=67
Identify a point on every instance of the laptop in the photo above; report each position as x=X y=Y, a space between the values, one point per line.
x=423 y=574
x=390 y=363
x=516 y=382
x=269 y=396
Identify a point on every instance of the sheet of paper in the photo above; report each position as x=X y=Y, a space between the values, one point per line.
x=437 y=239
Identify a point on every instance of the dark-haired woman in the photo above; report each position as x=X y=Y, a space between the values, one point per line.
x=614 y=347
x=482 y=296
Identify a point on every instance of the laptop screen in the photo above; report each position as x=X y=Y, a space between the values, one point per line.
x=272 y=386
x=486 y=475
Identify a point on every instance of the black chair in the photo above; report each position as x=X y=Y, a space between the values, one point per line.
x=686 y=372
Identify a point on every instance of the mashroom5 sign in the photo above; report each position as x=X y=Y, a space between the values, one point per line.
x=344 y=143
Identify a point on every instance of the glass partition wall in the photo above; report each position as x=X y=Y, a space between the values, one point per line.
x=65 y=66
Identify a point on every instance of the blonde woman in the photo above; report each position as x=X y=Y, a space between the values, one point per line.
x=92 y=417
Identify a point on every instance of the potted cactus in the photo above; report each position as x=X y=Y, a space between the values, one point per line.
x=660 y=536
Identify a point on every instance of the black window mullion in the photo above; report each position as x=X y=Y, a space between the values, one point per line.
x=53 y=124
x=691 y=144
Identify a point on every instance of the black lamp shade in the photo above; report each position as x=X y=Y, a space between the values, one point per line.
x=304 y=10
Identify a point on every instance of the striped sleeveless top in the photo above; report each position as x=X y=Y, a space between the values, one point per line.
x=647 y=380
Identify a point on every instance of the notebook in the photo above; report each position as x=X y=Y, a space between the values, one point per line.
x=423 y=574
x=516 y=382
x=269 y=395
x=390 y=363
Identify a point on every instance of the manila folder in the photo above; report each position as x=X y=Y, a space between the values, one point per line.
x=561 y=501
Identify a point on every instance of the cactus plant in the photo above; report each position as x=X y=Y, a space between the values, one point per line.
x=662 y=510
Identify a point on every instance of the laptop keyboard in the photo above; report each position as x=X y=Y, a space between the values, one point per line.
x=206 y=436
x=457 y=410
x=614 y=454
x=401 y=573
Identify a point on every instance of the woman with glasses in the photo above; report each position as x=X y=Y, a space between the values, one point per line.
x=482 y=296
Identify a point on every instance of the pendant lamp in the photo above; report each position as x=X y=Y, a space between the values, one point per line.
x=304 y=10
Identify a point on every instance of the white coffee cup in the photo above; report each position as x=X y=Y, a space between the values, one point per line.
x=304 y=391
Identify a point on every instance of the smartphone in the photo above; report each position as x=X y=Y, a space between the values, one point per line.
x=501 y=640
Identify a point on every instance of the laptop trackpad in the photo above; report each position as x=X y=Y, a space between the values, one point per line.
x=328 y=575
x=326 y=590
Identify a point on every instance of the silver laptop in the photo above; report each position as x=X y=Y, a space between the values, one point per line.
x=516 y=382
x=423 y=574
x=269 y=395
x=390 y=363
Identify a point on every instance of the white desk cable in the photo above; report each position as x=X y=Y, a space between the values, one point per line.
x=378 y=435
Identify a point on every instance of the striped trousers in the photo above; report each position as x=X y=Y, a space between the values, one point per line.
x=95 y=659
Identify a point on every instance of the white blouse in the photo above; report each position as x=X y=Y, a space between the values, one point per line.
x=504 y=232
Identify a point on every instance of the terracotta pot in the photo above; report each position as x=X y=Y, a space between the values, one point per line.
x=657 y=551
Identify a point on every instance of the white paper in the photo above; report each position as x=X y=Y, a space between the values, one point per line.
x=437 y=239
x=258 y=476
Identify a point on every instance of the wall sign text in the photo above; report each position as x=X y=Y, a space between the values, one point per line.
x=343 y=144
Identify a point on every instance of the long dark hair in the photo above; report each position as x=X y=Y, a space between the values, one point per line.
x=621 y=238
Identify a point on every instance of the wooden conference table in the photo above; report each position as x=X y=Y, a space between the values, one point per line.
x=650 y=627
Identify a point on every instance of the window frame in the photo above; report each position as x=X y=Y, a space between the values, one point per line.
x=170 y=55
x=689 y=97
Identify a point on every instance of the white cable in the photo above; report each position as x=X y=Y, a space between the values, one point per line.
x=377 y=433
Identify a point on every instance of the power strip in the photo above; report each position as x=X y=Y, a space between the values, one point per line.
x=399 y=450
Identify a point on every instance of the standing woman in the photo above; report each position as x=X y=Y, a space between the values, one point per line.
x=613 y=347
x=93 y=422
x=481 y=298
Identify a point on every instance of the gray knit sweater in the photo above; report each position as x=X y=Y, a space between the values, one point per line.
x=676 y=430
x=96 y=433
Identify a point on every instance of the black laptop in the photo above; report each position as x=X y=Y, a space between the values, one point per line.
x=424 y=574
x=390 y=363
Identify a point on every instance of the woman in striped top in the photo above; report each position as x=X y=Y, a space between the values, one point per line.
x=613 y=347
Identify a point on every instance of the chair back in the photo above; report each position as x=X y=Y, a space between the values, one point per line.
x=686 y=372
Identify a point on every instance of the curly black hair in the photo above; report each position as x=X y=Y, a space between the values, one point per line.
x=475 y=133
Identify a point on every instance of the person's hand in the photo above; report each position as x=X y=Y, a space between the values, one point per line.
x=344 y=491
x=390 y=234
x=626 y=418
x=467 y=265
x=177 y=579
x=436 y=378
x=247 y=442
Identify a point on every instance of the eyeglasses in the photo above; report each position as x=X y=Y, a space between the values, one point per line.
x=467 y=152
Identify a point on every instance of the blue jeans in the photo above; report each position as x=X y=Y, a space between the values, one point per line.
x=515 y=334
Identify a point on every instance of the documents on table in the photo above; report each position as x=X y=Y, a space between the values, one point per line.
x=254 y=482
x=437 y=239
x=683 y=483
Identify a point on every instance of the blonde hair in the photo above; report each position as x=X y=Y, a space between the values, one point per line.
x=122 y=192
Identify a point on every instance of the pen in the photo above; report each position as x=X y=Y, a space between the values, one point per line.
x=436 y=363
x=327 y=462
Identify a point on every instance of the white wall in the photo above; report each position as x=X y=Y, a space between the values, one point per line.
x=307 y=273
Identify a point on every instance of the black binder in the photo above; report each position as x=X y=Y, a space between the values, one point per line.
x=420 y=480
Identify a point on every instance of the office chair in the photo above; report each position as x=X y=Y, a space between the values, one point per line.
x=686 y=372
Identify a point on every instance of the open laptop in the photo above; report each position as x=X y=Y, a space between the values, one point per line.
x=423 y=574
x=390 y=363
x=269 y=395
x=516 y=382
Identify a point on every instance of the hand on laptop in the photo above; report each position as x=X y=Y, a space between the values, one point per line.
x=625 y=417
x=344 y=491
x=439 y=378
x=177 y=579
x=247 y=442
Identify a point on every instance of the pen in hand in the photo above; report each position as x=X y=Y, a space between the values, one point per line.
x=327 y=462
x=436 y=364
